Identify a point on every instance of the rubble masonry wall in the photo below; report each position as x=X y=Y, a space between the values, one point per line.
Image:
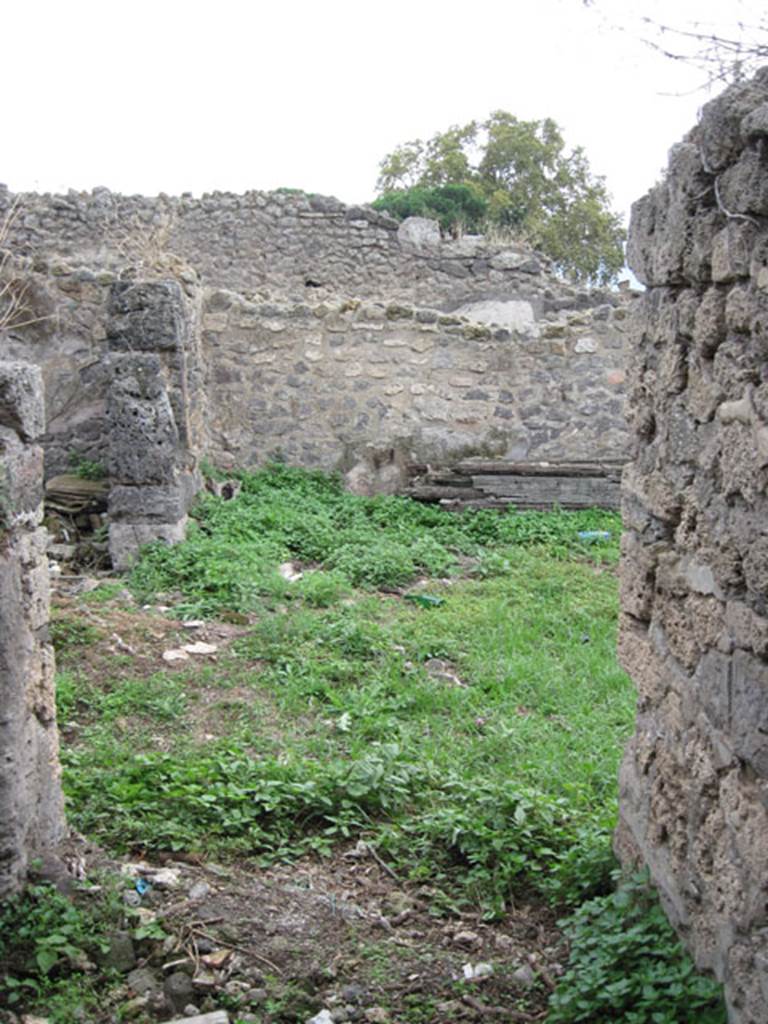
x=694 y=576
x=31 y=806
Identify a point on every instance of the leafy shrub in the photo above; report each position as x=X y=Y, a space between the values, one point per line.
x=261 y=806
x=627 y=965
x=456 y=206
x=323 y=589
x=499 y=839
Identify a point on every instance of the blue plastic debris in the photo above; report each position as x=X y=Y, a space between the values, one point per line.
x=594 y=535
x=142 y=886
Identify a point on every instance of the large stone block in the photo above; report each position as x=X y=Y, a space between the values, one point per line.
x=21 y=400
x=144 y=443
x=21 y=481
x=146 y=316
x=165 y=504
x=127 y=539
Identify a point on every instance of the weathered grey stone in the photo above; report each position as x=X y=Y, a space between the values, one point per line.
x=21 y=403
x=146 y=316
x=21 y=480
x=178 y=990
x=166 y=504
x=31 y=806
x=731 y=251
x=420 y=232
x=144 y=440
x=143 y=981
x=516 y=315
x=744 y=185
x=126 y=539
x=121 y=955
x=694 y=629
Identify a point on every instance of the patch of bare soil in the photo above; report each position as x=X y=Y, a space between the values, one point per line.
x=342 y=935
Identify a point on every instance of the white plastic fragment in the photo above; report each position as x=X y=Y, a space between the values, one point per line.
x=476 y=972
x=217 y=1017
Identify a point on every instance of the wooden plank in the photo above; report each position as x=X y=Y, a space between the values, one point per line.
x=217 y=1017
x=444 y=480
x=546 y=491
x=427 y=493
x=574 y=469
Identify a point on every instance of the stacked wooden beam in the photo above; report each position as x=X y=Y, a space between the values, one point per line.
x=479 y=483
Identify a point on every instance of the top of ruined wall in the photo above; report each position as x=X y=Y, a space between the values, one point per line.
x=717 y=178
x=286 y=243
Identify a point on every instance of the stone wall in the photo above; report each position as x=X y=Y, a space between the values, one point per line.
x=361 y=386
x=31 y=810
x=694 y=578
x=67 y=342
x=291 y=244
x=405 y=349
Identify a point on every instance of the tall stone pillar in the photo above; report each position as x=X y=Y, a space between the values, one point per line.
x=31 y=805
x=154 y=414
x=694 y=576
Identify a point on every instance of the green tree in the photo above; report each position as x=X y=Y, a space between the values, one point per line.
x=527 y=181
x=460 y=207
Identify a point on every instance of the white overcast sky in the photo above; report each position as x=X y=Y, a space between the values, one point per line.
x=171 y=96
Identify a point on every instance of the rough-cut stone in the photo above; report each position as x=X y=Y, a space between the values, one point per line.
x=21 y=409
x=145 y=316
x=152 y=416
x=420 y=232
x=694 y=574
x=31 y=807
x=513 y=314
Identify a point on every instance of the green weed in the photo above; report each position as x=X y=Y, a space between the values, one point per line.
x=68 y=632
x=231 y=556
x=86 y=469
x=627 y=965
x=47 y=943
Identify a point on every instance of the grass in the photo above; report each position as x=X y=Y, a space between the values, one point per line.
x=472 y=737
x=474 y=740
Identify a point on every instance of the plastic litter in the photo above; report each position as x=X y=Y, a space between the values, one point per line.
x=592 y=535
x=476 y=972
x=425 y=600
x=142 y=886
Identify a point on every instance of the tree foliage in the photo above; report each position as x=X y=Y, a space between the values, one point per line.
x=456 y=207
x=516 y=174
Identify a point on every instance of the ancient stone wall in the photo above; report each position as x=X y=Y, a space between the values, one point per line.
x=67 y=341
x=291 y=244
x=31 y=815
x=694 y=578
x=489 y=353
x=357 y=386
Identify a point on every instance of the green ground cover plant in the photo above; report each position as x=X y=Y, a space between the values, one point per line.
x=627 y=965
x=49 y=946
x=471 y=739
x=474 y=737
